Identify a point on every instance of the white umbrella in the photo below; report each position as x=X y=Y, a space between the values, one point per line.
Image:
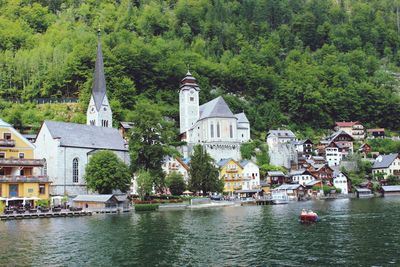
x=35 y=198
x=2 y=198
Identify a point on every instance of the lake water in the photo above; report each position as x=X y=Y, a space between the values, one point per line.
x=357 y=232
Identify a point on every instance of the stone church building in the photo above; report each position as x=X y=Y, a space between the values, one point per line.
x=66 y=147
x=213 y=125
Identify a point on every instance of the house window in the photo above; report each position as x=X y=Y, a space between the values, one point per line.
x=7 y=136
x=2 y=155
x=191 y=99
x=92 y=122
x=13 y=190
x=212 y=130
x=231 y=131
x=21 y=155
x=75 y=171
x=44 y=167
x=42 y=189
x=22 y=172
x=218 y=130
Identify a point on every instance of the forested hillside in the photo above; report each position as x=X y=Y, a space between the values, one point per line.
x=300 y=63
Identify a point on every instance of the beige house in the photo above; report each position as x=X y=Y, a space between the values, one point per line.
x=387 y=165
x=95 y=202
x=353 y=128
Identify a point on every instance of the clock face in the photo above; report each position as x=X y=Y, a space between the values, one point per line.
x=192 y=92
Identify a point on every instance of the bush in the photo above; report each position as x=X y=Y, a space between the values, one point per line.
x=146 y=207
x=43 y=203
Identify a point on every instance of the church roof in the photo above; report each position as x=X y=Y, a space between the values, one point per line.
x=189 y=82
x=242 y=118
x=215 y=108
x=86 y=136
x=99 y=83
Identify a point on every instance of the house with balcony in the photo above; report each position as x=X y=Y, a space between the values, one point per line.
x=376 y=133
x=178 y=165
x=251 y=175
x=21 y=175
x=304 y=148
x=343 y=141
x=386 y=165
x=353 y=128
x=231 y=172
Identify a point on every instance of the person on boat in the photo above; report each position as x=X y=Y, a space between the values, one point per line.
x=303 y=212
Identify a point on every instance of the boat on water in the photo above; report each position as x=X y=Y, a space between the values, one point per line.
x=280 y=198
x=308 y=216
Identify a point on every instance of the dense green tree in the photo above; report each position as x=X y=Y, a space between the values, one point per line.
x=175 y=183
x=203 y=175
x=150 y=140
x=105 y=172
x=280 y=61
x=144 y=182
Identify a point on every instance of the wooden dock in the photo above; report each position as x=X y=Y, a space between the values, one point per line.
x=38 y=215
x=263 y=202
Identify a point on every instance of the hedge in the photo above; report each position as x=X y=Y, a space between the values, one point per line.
x=146 y=207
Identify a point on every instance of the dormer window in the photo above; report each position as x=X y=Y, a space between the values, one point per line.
x=105 y=109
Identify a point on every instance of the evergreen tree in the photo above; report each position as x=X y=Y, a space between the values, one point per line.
x=203 y=175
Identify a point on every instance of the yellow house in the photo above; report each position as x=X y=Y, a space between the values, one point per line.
x=18 y=168
x=232 y=174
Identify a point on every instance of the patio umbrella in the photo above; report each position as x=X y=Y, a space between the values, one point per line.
x=187 y=192
x=3 y=198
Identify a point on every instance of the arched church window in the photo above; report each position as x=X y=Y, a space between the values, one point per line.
x=231 y=130
x=212 y=130
x=75 y=170
x=218 y=130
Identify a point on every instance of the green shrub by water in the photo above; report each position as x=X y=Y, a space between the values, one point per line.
x=146 y=207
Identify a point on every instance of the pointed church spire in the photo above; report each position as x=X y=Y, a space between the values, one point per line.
x=189 y=82
x=99 y=83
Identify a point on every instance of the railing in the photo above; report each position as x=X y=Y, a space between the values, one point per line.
x=23 y=179
x=7 y=142
x=231 y=170
x=21 y=162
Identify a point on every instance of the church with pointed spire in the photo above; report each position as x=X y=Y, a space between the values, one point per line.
x=213 y=125
x=99 y=111
x=67 y=147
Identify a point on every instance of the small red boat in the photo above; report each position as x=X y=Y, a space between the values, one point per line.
x=308 y=216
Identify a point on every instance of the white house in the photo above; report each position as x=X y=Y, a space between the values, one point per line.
x=340 y=180
x=67 y=147
x=333 y=155
x=173 y=164
x=301 y=176
x=387 y=165
x=251 y=175
x=212 y=125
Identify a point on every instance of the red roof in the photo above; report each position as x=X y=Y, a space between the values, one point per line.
x=346 y=123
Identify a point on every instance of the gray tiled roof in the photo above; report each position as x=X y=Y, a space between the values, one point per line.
x=215 y=108
x=384 y=161
x=241 y=118
x=275 y=173
x=299 y=172
x=288 y=187
x=99 y=82
x=93 y=198
x=222 y=162
x=86 y=136
x=282 y=133
x=391 y=188
x=4 y=124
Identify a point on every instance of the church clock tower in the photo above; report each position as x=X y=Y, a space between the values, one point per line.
x=188 y=102
x=99 y=111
